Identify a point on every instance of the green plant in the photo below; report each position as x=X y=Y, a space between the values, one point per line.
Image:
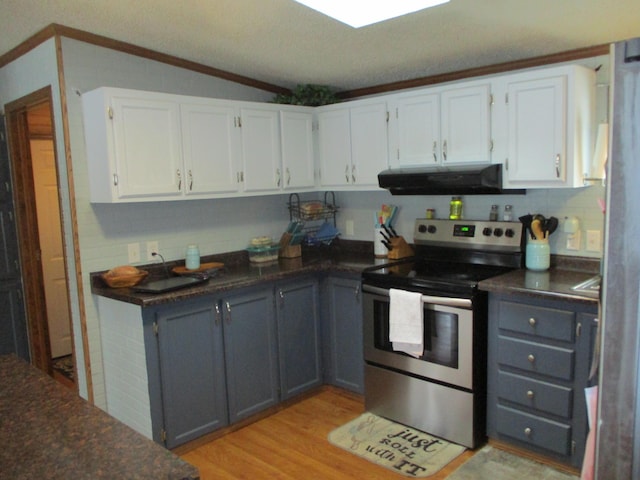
x=309 y=95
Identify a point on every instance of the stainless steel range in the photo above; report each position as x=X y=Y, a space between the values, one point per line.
x=442 y=389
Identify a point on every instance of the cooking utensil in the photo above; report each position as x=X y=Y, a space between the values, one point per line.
x=536 y=229
x=551 y=225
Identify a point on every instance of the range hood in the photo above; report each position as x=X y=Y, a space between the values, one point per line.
x=473 y=180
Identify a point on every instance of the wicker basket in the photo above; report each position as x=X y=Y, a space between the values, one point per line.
x=120 y=281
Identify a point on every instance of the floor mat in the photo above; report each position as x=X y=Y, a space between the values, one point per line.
x=491 y=463
x=404 y=450
x=64 y=365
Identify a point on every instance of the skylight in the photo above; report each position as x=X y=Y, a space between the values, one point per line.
x=359 y=13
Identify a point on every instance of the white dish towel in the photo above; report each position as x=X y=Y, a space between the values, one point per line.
x=406 y=325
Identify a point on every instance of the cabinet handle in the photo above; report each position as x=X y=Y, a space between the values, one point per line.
x=179 y=175
x=435 y=156
x=115 y=179
x=357 y=292
x=228 y=312
x=190 y=181
x=353 y=173
x=346 y=173
x=277 y=177
x=531 y=358
x=281 y=295
x=217 y=314
x=528 y=431
x=532 y=322
x=530 y=394
x=444 y=150
x=288 y=177
x=558 y=165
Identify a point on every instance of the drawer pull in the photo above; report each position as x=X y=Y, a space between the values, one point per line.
x=530 y=394
x=531 y=358
x=532 y=322
x=527 y=431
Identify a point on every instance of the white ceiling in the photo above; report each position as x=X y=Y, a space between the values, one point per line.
x=284 y=43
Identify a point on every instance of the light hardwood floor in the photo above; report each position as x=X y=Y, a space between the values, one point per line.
x=292 y=444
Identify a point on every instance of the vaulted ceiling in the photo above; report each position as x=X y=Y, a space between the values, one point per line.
x=284 y=43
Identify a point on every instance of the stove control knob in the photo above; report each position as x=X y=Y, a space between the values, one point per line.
x=509 y=233
x=497 y=232
x=431 y=229
x=422 y=228
x=487 y=231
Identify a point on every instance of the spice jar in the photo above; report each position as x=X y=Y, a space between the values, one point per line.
x=493 y=215
x=508 y=213
x=455 y=208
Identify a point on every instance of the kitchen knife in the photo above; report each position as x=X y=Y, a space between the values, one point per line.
x=386 y=229
x=387 y=244
x=395 y=234
x=385 y=237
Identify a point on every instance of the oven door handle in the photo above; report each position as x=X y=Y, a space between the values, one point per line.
x=443 y=301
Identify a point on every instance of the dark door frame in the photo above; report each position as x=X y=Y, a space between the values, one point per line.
x=27 y=223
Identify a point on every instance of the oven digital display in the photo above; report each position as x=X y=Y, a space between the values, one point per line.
x=464 y=230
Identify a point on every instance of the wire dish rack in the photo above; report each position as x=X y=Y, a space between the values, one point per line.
x=315 y=211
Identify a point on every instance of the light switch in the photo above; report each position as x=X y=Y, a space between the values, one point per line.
x=593 y=241
x=134 y=252
x=349 y=227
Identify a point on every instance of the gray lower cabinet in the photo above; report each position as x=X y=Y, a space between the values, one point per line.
x=297 y=306
x=251 y=351
x=538 y=366
x=343 y=322
x=191 y=369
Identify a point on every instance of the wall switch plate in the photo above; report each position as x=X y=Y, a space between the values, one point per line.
x=134 y=252
x=573 y=241
x=593 y=241
x=152 y=247
x=349 y=227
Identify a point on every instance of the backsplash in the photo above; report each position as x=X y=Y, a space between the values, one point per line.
x=581 y=203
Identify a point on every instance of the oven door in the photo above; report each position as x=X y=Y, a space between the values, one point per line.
x=448 y=338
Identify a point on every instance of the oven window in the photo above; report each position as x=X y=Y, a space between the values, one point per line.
x=440 y=334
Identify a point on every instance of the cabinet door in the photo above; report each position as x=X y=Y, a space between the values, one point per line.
x=261 y=168
x=299 y=336
x=465 y=124
x=369 y=143
x=211 y=149
x=345 y=333
x=296 y=129
x=191 y=370
x=537 y=131
x=251 y=354
x=148 y=155
x=416 y=130
x=334 y=147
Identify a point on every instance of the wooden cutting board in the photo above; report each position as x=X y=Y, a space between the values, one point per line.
x=204 y=267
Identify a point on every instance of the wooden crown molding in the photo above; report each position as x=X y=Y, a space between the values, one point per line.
x=56 y=30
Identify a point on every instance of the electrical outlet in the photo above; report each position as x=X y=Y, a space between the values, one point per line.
x=593 y=240
x=134 y=252
x=349 y=227
x=573 y=241
x=152 y=247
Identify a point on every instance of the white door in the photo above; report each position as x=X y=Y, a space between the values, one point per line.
x=369 y=143
x=537 y=131
x=334 y=147
x=211 y=148
x=416 y=130
x=52 y=253
x=260 y=133
x=296 y=130
x=147 y=147
x=465 y=125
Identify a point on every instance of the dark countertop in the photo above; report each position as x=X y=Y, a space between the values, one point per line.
x=49 y=432
x=351 y=257
x=555 y=283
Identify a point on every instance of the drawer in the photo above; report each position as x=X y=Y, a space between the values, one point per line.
x=530 y=393
x=532 y=430
x=535 y=357
x=538 y=321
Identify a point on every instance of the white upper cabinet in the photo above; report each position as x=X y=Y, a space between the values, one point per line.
x=352 y=144
x=549 y=123
x=441 y=126
x=211 y=148
x=261 y=164
x=134 y=150
x=296 y=132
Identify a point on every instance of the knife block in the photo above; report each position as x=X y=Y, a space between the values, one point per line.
x=290 y=251
x=399 y=248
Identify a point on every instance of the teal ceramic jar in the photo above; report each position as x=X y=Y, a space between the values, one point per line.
x=192 y=258
x=538 y=255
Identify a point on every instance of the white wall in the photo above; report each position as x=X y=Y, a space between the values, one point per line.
x=33 y=71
